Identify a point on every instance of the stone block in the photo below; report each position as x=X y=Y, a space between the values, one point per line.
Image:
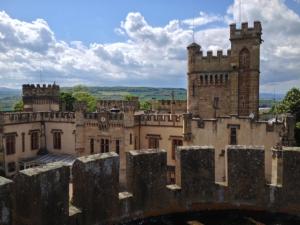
x=42 y=195
x=246 y=175
x=5 y=201
x=96 y=187
x=195 y=173
x=147 y=179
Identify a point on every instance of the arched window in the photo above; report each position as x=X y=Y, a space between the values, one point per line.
x=201 y=79
x=216 y=79
x=210 y=79
x=206 y=79
x=244 y=58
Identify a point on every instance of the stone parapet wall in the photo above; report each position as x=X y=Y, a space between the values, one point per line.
x=175 y=120
x=28 y=117
x=41 y=195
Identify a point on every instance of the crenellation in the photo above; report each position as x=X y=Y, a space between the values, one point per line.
x=41 y=195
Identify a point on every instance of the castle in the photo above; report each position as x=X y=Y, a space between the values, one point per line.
x=221 y=111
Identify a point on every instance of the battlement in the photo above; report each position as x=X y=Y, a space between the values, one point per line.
x=38 y=90
x=159 y=119
x=28 y=117
x=122 y=105
x=36 y=195
x=245 y=31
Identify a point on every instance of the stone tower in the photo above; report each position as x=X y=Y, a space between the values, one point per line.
x=226 y=84
x=40 y=98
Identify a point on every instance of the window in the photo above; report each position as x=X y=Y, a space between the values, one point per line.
x=175 y=143
x=57 y=140
x=23 y=142
x=233 y=136
x=92 y=146
x=226 y=78
x=34 y=137
x=153 y=142
x=10 y=144
x=216 y=79
x=193 y=89
x=216 y=102
x=104 y=145
x=210 y=79
x=221 y=78
x=244 y=58
x=206 y=79
x=118 y=146
x=11 y=167
x=130 y=139
x=201 y=79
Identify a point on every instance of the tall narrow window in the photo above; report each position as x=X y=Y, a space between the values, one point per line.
x=226 y=78
x=206 y=79
x=221 y=78
x=92 y=145
x=216 y=79
x=193 y=89
x=233 y=136
x=57 y=140
x=244 y=58
x=10 y=144
x=118 y=146
x=34 y=137
x=104 y=145
x=23 y=142
x=130 y=139
x=210 y=79
x=175 y=143
x=201 y=79
x=216 y=102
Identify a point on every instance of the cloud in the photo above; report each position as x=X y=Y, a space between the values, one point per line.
x=202 y=19
x=151 y=55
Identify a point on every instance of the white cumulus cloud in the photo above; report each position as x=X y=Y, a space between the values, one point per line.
x=151 y=55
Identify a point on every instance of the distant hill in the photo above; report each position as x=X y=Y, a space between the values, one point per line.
x=8 y=97
x=144 y=93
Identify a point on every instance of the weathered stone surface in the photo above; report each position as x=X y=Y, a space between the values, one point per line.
x=291 y=176
x=195 y=172
x=75 y=216
x=147 y=178
x=96 y=187
x=5 y=201
x=246 y=175
x=42 y=195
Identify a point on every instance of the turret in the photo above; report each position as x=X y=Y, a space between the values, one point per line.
x=193 y=50
x=40 y=98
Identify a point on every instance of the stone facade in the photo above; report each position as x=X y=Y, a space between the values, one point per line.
x=226 y=84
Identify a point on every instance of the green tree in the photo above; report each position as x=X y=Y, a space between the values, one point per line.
x=129 y=97
x=80 y=88
x=291 y=104
x=88 y=98
x=19 y=106
x=145 y=105
x=68 y=100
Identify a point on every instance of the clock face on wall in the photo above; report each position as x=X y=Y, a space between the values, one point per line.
x=102 y=119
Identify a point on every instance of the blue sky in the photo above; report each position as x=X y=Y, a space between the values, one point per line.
x=137 y=42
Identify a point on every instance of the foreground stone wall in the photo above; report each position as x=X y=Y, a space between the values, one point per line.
x=40 y=196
